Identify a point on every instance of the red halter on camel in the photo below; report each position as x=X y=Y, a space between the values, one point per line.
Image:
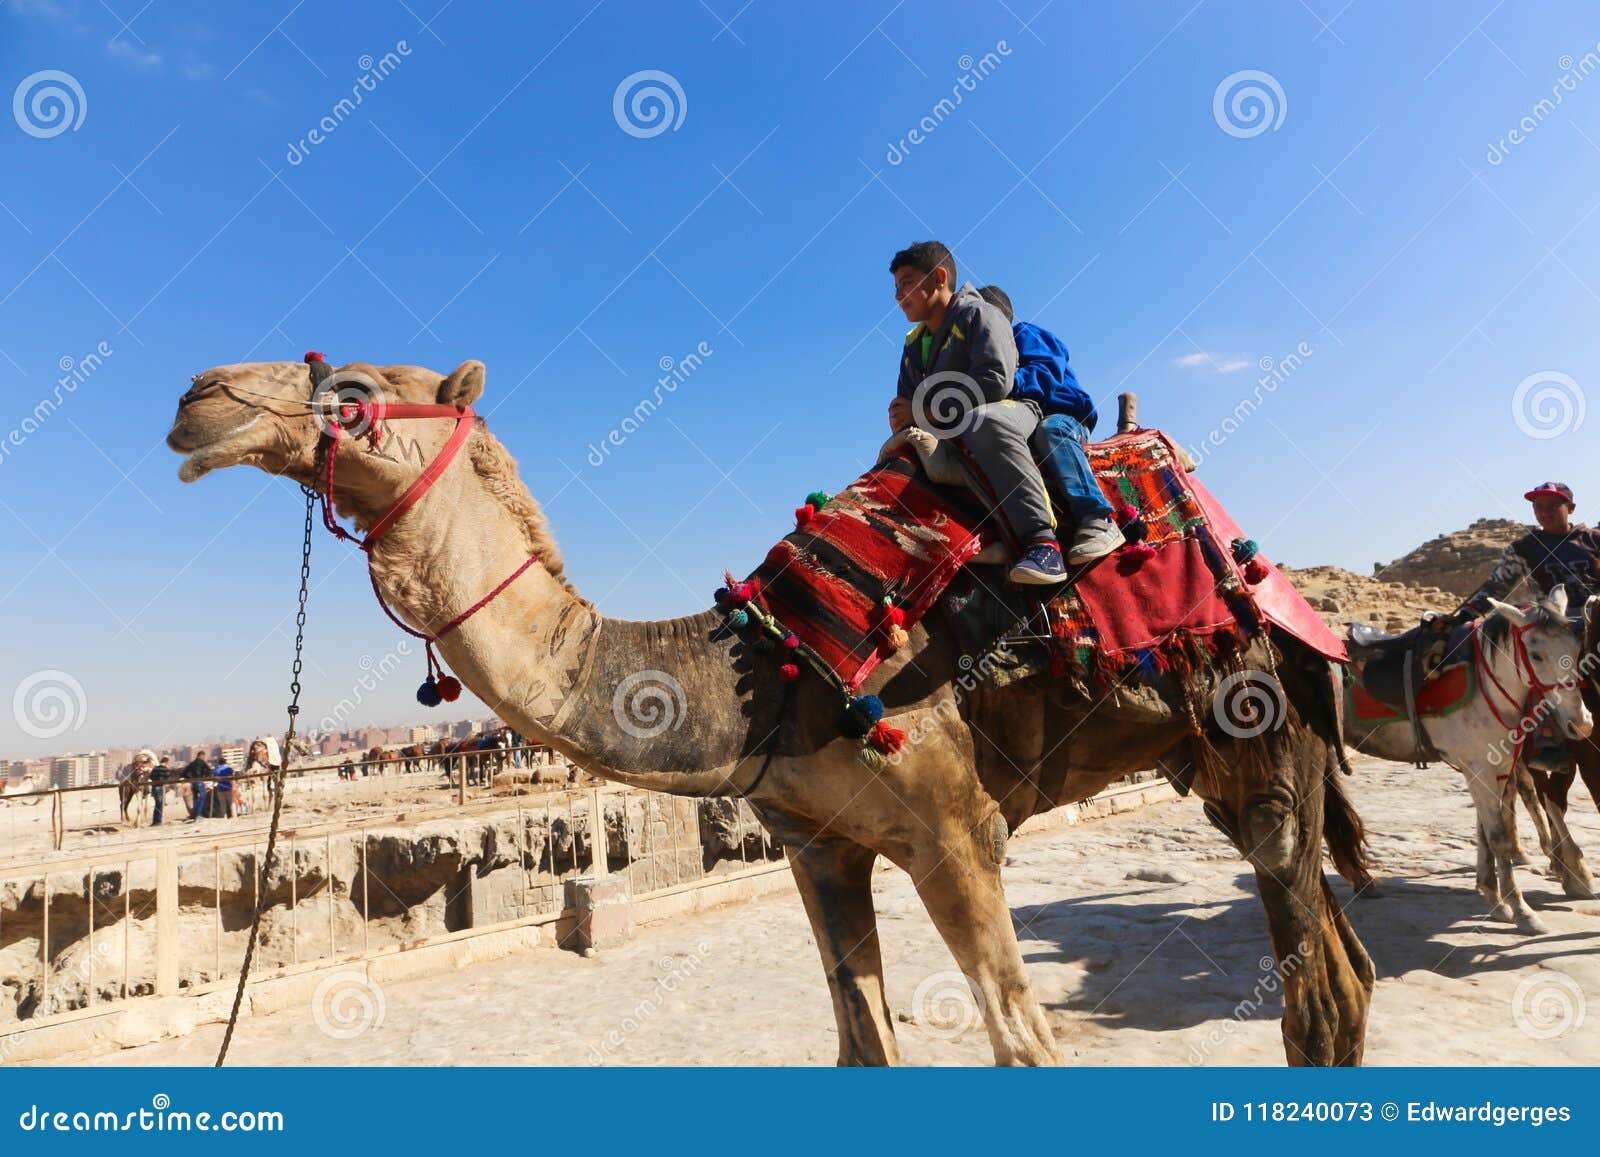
x=438 y=687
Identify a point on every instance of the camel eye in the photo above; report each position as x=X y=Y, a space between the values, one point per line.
x=1536 y=656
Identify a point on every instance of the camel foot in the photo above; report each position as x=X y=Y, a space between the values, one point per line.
x=1531 y=925
x=1521 y=859
x=1578 y=887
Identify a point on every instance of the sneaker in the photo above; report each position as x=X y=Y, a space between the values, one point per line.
x=1094 y=539
x=1040 y=565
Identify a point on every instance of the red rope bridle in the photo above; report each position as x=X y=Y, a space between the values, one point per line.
x=1537 y=689
x=370 y=413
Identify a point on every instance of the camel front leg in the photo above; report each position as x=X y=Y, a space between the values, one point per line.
x=958 y=878
x=835 y=882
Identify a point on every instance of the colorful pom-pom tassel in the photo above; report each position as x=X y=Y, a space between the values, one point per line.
x=859 y=715
x=720 y=597
x=895 y=637
x=1139 y=550
x=817 y=499
x=449 y=688
x=885 y=738
x=803 y=516
x=738 y=619
x=1255 y=571
x=791 y=641
x=1125 y=513
x=1135 y=530
x=1244 y=549
x=428 y=694
x=789 y=672
x=872 y=759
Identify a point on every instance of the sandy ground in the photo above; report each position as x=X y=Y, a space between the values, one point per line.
x=1131 y=971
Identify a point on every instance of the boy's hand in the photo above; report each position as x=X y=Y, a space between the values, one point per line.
x=899 y=414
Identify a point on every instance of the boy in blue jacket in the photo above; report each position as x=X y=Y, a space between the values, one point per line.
x=1045 y=380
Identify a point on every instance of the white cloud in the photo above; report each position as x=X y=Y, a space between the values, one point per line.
x=132 y=55
x=1219 y=363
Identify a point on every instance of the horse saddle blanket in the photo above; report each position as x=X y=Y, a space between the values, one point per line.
x=1446 y=693
x=1426 y=653
x=881 y=554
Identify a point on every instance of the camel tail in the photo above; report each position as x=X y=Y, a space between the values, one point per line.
x=1346 y=834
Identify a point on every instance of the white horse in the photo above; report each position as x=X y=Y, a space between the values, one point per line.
x=1526 y=663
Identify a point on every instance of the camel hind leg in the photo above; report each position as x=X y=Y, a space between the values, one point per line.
x=1273 y=809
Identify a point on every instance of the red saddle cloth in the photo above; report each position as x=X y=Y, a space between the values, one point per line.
x=893 y=537
x=1447 y=693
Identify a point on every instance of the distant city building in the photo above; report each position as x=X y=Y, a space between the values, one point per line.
x=421 y=733
x=232 y=755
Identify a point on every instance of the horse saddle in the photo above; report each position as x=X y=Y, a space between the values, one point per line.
x=1395 y=668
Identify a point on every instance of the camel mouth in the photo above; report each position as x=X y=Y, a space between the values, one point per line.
x=212 y=454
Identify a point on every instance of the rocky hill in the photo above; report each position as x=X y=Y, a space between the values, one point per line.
x=1340 y=597
x=1455 y=562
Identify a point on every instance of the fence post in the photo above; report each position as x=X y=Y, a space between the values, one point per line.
x=600 y=865
x=166 y=921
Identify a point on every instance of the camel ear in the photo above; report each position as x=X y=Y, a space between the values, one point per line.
x=1513 y=615
x=464 y=386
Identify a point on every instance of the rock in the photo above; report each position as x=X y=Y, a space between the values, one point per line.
x=1160 y=875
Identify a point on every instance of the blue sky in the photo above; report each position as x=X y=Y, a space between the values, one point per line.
x=485 y=201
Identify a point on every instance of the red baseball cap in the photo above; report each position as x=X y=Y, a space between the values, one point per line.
x=1554 y=490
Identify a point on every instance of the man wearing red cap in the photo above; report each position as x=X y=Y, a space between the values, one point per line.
x=1558 y=554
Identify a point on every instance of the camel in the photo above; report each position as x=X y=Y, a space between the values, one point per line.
x=1514 y=648
x=684 y=706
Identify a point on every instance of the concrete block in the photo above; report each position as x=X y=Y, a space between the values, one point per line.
x=603 y=909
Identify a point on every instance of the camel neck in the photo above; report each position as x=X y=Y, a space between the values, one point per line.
x=639 y=702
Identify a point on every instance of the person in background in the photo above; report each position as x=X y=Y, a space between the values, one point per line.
x=160 y=775
x=222 y=792
x=133 y=779
x=197 y=773
x=1045 y=379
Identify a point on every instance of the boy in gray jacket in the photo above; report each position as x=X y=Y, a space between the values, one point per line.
x=956 y=375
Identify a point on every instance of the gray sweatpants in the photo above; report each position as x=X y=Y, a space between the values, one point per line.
x=997 y=444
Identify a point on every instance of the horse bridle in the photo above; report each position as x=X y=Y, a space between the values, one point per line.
x=1538 y=689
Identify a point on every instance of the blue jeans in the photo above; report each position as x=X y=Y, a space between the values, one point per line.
x=200 y=790
x=159 y=795
x=1058 y=445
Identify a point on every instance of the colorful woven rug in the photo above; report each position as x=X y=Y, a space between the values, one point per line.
x=1185 y=589
x=888 y=539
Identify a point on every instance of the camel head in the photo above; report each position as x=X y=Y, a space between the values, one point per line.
x=259 y=414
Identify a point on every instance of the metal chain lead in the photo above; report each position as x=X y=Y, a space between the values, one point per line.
x=277 y=781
